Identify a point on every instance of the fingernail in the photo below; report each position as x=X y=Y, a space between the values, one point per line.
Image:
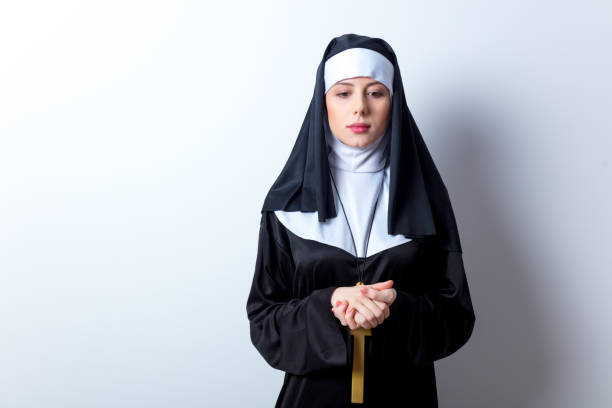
x=338 y=303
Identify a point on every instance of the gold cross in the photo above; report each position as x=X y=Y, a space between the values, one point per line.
x=358 y=361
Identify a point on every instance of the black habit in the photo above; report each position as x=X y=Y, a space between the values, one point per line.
x=288 y=307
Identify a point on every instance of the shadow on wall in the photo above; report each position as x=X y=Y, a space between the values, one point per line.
x=509 y=361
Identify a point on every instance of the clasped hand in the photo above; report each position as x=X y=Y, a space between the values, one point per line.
x=364 y=306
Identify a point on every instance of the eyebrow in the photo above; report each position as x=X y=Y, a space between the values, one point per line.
x=349 y=84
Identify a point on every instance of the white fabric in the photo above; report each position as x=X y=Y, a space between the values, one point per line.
x=358 y=173
x=355 y=62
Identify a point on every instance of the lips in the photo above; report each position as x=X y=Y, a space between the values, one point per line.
x=359 y=125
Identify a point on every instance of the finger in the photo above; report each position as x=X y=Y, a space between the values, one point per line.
x=364 y=309
x=382 y=285
x=360 y=321
x=384 y=307
x=384 y=295
x=340 y=311
x=377 y=312
x=389 y=295
x=394 y=292
x=350 y=318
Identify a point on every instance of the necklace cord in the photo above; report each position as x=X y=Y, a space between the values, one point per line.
x=361 y=270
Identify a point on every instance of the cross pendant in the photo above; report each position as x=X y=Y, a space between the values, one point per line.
x=358 y=361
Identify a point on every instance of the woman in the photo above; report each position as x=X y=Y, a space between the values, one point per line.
x=356 y=307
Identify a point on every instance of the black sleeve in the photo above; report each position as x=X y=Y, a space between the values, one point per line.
x=295 y=335
x=430 y=326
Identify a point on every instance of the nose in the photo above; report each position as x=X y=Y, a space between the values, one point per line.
x=361 y=106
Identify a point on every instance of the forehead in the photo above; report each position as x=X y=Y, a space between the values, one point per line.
x=361 y=80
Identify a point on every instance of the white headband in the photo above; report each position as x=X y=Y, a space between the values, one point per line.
x=355 y=62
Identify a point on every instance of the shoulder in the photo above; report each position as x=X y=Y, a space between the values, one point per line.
x=271 y=225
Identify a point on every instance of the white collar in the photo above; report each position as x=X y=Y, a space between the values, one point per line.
x=368 y=159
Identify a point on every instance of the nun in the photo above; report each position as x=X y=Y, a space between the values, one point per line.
x=359 y=283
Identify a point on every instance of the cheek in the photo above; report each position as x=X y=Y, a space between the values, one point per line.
x=382 y=111
x=331 y=117
x=334 y=116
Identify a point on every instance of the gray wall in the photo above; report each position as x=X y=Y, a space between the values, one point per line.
x=138 y=140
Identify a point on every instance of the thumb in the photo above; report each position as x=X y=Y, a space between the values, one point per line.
x=382 y=295
x=382 y=285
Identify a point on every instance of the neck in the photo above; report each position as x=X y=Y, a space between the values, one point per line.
x=367 y=159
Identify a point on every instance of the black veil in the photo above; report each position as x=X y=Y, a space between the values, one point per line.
x=419 y=205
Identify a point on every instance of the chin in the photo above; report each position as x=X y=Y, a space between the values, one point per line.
x=359 y=140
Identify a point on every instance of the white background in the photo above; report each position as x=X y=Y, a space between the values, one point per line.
x=138 y=140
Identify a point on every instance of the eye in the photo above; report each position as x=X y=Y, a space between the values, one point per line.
x=377 y=94
x=342 y=94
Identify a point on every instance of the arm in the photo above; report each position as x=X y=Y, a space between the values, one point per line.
x=295 y=335
x=432 y=326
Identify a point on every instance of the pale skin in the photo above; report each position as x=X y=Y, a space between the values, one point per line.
x=360 y=99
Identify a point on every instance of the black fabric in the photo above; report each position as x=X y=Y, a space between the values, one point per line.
x=419 y=205
x=293 y=328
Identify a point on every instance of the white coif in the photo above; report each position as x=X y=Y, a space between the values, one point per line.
x=355 y=62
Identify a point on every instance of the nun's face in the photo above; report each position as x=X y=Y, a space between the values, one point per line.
x=358 y=101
